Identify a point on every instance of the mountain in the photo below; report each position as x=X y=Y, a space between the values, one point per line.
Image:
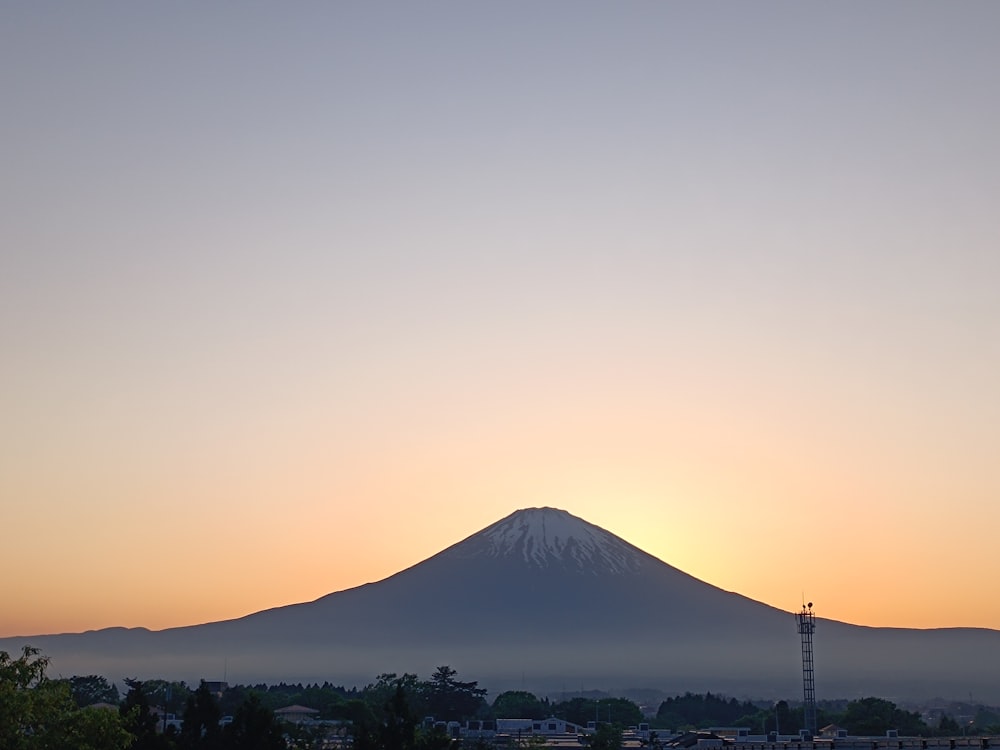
x=546 y=601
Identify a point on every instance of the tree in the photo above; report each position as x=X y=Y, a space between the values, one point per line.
x=783 y=717
x=254 y=727
x=577 y=710
x=200 y=729
x=606 y=737
x=874 y=716
x=448 y=699
x=380 y=694
x=433 y=738
x=947 y=726
x=699 y=711
x=91 y=689
x=869 y=716
x=519 y=704
x=399 y=730
x=19 y=679
x=37 y=713
x=359 y=713
x=394 y=727
x=985 y=717
x=138 y=719
x=95 y=729
x=168 y=695
x=619 y=711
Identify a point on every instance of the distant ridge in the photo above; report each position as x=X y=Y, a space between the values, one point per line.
x=541 y=599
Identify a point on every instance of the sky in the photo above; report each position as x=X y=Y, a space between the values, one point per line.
x=294 y=296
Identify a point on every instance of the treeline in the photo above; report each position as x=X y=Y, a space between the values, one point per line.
x=333 y=702
x=863 y=717
x=252 y=726
x=88 y=713
x=443 y=696
x=37 y=712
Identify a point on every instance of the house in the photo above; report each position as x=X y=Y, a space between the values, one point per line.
x=832 y=732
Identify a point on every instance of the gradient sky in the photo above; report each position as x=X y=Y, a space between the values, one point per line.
x=293 y=296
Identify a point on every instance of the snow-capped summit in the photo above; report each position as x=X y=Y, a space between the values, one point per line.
x=545 y=596
x=550 y=537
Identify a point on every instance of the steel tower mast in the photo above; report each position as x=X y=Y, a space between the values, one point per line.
x=807 y=624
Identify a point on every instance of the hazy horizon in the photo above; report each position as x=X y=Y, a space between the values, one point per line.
x=790 y=611
x=544 y=594
x=294 y=297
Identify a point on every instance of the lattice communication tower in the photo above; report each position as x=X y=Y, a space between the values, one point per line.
x=807 y=625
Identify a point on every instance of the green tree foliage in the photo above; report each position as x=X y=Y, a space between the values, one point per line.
x=394 y=725
x=985 y=717
x=359 y=712
x=379 y=695
x=869 y=716
x=331 y=701
x=394 y=729
x=23 y=696
x=94 y=729
x=37 y=713
x=947 y=726
x=139 y=720
x=606 y=737
x=785 y=719
x=254 y=727
x=619 y=711
x=700 y=711
x=170 y=696
x=577 y=710
x=520 y=704
x=91 y=689
x=780 y=717
x=874 y=716
x=234 y=696
x=434 y=738
x=449 y=699
x=200 y=729
x=328 y=699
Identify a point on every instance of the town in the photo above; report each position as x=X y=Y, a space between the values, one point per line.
x=443 y=712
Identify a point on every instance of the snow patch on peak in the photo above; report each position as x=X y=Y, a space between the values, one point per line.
x=549 y=536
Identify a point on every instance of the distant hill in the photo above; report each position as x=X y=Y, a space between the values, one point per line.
x=546 y=601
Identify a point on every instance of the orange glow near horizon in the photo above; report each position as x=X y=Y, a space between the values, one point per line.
x=730 y=494
x=721 y=493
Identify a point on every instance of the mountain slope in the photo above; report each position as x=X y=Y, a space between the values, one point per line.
x=547 y=564
x=544 y=599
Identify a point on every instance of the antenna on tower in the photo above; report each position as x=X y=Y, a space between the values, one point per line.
x=807 y=625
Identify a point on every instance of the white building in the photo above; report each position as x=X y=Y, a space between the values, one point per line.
x=545 y=727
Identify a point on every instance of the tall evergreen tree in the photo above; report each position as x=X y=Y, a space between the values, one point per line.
x=449 y=699
x=200 y=729
x=254 y=727
x=139 y=720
